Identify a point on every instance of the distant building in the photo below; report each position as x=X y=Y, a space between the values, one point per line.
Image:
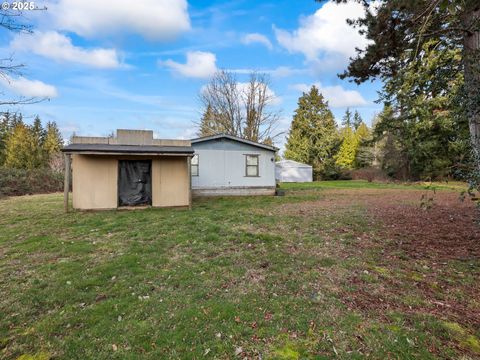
x=228 y=165
x=293 y=171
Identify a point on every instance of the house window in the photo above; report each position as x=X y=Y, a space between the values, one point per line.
x=251 y=165
x=194 y=165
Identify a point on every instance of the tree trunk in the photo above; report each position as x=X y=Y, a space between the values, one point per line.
x=471 y=57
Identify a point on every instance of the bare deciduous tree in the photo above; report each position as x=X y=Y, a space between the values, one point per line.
x=11 y=20
x=239 y=109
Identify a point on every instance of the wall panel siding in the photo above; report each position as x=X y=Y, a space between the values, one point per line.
x=94 y=182
x=170 y=182
x=226 y=168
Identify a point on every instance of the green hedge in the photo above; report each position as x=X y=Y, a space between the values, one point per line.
x=36 y=181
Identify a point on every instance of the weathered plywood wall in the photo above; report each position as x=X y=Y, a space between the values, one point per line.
x=170 y=182
x=94 y=182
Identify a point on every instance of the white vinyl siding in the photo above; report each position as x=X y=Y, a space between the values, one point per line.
x=226 y=168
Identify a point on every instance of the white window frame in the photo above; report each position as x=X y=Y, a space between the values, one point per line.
x=192 y=165
x=257 y=166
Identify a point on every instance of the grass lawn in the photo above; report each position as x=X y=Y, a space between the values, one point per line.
x=346 y=270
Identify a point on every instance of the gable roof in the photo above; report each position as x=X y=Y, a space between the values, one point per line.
x=234 y=138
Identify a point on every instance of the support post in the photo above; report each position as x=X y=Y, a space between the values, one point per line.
x=66 y=183
x=189 y=165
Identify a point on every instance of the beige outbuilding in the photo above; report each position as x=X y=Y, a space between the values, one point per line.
x=131 y=169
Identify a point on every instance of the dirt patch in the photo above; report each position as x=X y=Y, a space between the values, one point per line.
x=407 y=234
x=448 y=229
x=438 y=237
x=391 y=294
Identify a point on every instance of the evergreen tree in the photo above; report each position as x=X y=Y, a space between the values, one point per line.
x=17 y=119
x=365 y=154
x=348 y=149
x=38 y=131
x=21 y=149
x=401 y=33
x=427 y=123
x=362 y=132
x=4 y=132
x=313 y=136
x=208 y=124
x=53 y=142
x=347 y=118
x=354 y=135
x=357 y=120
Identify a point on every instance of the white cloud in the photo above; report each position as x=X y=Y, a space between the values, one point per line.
x=336 y=95
x=257 y=38
x=286 y=71
x=326 y=30
x=153 y=19
x=199 y=65
x=28 y=88
x=56 y=46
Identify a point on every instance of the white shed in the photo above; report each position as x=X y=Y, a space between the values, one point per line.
x=293 y=171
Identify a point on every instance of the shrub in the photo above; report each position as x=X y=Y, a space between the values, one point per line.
x=335 y=172
x=14 y=182
x=369 y=173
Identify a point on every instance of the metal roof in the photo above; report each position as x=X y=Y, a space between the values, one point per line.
x=128 y=149
x=234 y=138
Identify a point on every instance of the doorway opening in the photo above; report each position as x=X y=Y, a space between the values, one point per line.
x=134 y=182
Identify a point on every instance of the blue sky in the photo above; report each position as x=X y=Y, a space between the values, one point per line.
x=121 y=64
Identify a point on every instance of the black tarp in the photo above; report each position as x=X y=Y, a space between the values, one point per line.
x=134 y=182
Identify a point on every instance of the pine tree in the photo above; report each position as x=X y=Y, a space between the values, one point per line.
x=16 y=120
x=347 y=118
x=38 y=131
x=53 y=140
x=313 y=136
x=357 y=120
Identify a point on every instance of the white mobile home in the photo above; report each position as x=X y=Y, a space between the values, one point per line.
x=293 y=171
x=227 y=165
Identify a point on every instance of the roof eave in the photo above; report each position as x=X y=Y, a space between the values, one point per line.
x=92 y=152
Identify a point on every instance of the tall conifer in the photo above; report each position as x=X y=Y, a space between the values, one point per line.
x=313 y=135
